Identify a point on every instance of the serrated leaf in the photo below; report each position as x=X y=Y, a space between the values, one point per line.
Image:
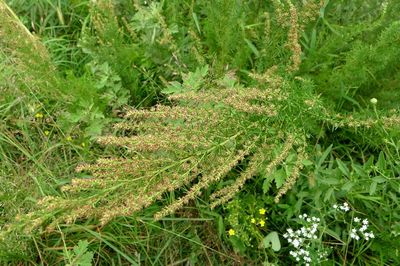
x=86 y=259
x=266 y=185
x=279 y=177
x=81 y=247
x=272 y=240
x=173 y=88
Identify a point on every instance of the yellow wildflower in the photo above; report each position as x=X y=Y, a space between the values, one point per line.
x=262 y=211
x=68 y=138
x=83 y=144
x=46 y=132
x=231 y=232
x=39 y=115
x=262 y=223
x=253 y=221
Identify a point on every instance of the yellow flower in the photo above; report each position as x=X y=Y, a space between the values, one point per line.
x=46 y=132
x=253 y=221
x=262 y=223
x=262 y=211
x=83 y=144
x=39 y=115
x=231 y=232
x=68 y=138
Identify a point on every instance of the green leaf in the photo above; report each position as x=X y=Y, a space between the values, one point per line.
x=307 y=162
x=381 y=161
x=347 y=186
x=266 y=185
x=379 y=179
x=324 y=155
x=330 y=181
x=343 y=168
x=328 y=194
x=252 y=47
x=221 y=226
x=272 y=240
x=196 y=21
x=237 y=244
x=81 y=247
x=173 y=88
x=279 y=177
x=372 y=188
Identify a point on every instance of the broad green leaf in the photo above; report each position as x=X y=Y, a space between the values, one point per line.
x=328 y=194
x=330 y=181
x=280 y=177
x=381 y=161
x=324 y=155
x=379 y=179
x=372 y=188
x=343 y=168
x=347 y=186
x=174 y=87
x=272 y=240
x=307 y=162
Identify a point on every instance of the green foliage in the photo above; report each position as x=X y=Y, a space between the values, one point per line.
x=79 y=256
x=76 y=66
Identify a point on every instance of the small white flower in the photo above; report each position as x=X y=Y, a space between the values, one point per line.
x=354 y=236
x=296 y=243
x=373 y=101
x=357 y=220
x=335 y=206
x=346 y=209
x=371 y=235
x=365 y=221
x=315 y=237
x=363 y=228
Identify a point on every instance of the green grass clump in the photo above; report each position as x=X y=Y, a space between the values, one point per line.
x=198 y=132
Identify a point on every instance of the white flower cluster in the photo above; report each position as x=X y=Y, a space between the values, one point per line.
x=360 y=229
x=299 y=239
x=345 y=207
